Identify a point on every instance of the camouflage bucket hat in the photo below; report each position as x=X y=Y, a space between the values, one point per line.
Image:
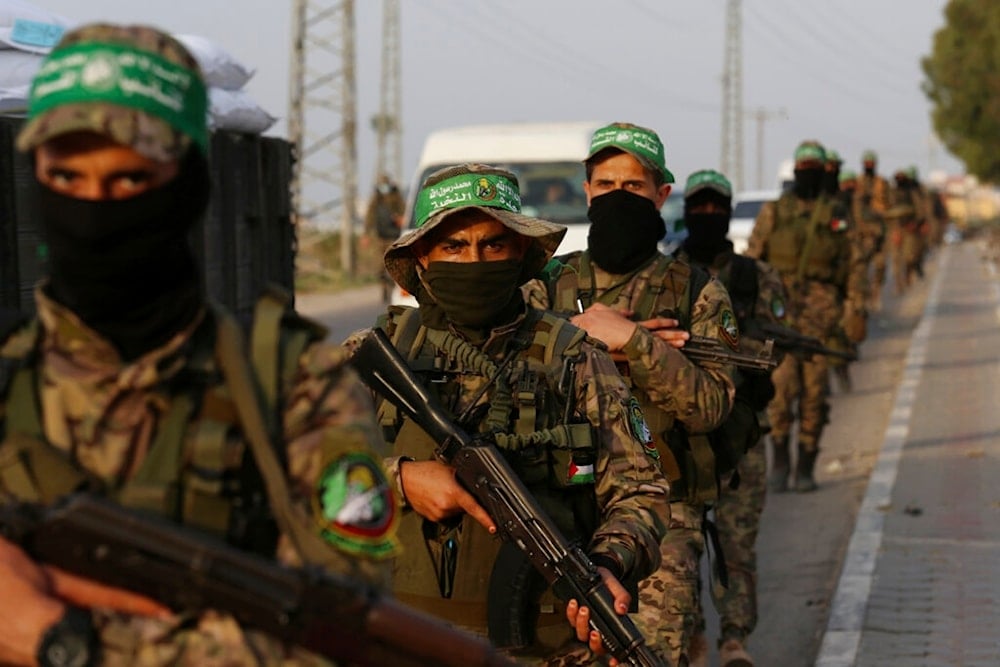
x=810 y=151
x=640 y=142
x=869 y=156
x=133 y=84
x=480 y=187
x=847 y=175
x=833 y=157
x=708 y=179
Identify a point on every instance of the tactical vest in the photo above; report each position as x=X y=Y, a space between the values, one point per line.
x=689 y=460
x=531 y=416
x=199 y=470
x=806 y=244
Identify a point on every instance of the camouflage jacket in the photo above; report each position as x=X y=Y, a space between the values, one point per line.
x=104 y=414
x=700 y=396
x=627 y=485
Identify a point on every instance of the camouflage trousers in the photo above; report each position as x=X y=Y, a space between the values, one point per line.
x=669 y=606
x=906 y=267
x=877 y=279
x=737 y=519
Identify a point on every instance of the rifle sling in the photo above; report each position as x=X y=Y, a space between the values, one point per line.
x=246 y=399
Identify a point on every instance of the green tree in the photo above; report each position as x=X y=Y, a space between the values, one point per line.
x=963 y=83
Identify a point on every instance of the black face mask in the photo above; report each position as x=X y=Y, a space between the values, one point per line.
x=808 y=183
x=124 y=266
x=624 y=231
x=473 y=295
x=706 y=235
x=869 y=171
x=831 y=182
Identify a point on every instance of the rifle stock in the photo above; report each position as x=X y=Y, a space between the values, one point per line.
x=483 y=471
x=340 y=618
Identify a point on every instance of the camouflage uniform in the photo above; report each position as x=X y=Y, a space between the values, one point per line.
x=816 y=284
x=161 y=426
x=105 y=414
x=627 y=489
x=700 y=396
x=910 y=217
x=384 y=206
x=738 y=510
x=873 y=194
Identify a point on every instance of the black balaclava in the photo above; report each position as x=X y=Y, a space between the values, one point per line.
x=474 y=297
x=625 y=228
x=808 y=182
x=125 y=266
x=869 y=171
x=706 y=231
x=831 y=181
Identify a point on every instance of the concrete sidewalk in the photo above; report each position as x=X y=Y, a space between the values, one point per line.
x=921 y=578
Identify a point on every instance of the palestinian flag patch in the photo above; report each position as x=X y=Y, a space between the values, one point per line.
x=838 y=225
x=355 y=506
x=728 y=330
x=580 y=473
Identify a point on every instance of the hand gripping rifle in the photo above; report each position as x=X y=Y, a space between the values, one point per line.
x=482 y=470
x=343 y=619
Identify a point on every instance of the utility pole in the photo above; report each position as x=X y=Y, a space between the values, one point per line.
x=387 y=123
x=762 y=115
x=731 y=159
x=322 y=118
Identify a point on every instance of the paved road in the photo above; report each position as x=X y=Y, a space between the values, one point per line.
x=804 y=538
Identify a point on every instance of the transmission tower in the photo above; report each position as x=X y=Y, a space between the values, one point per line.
x=731 y=159
x=761 y=116
x=387 y=123
x=322 y=118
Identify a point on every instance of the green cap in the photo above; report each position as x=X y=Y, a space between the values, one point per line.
x=640 y=142
x=480 y=187
x=708 y=179
x=833 y=157
x=136 y=85
x=810 y=151
x=869 y=156
x=847 y=175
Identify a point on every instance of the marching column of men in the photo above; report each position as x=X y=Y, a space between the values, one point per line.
x=575 y=368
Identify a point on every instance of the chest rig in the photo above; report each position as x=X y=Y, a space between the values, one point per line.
x=806 y=242
x=524 y=399
x=199 y=470
x=668 y=288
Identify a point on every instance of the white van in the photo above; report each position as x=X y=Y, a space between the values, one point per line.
x=547 y=159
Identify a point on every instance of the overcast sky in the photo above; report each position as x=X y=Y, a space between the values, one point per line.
x=846 y=72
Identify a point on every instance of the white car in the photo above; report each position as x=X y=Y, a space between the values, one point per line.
x=746 y=206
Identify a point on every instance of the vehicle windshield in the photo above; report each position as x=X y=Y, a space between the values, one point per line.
x=747 y=209
x=549 y=190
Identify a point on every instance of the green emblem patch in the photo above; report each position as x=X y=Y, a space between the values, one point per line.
x=778 y=307
x=640 y=429
x=728 y=329
x=355 y=506
x=485 y=190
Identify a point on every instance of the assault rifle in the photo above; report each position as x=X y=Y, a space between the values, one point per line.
x=702 y=348
x=520 y=520
x=791 y=340
x=343 y=619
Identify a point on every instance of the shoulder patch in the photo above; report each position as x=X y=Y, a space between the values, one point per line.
x=778 y=307
x=728 y=330
x=639 y=429
x=355 y=506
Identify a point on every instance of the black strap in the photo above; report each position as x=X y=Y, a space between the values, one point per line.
x=743 y=287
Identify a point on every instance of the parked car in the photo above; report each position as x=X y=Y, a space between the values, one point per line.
x=746 y=206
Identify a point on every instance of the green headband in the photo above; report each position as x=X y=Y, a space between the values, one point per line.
x=124 y=76
x=635 y=140
x=490 y=190
x=708 y=179
x=809 y=153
